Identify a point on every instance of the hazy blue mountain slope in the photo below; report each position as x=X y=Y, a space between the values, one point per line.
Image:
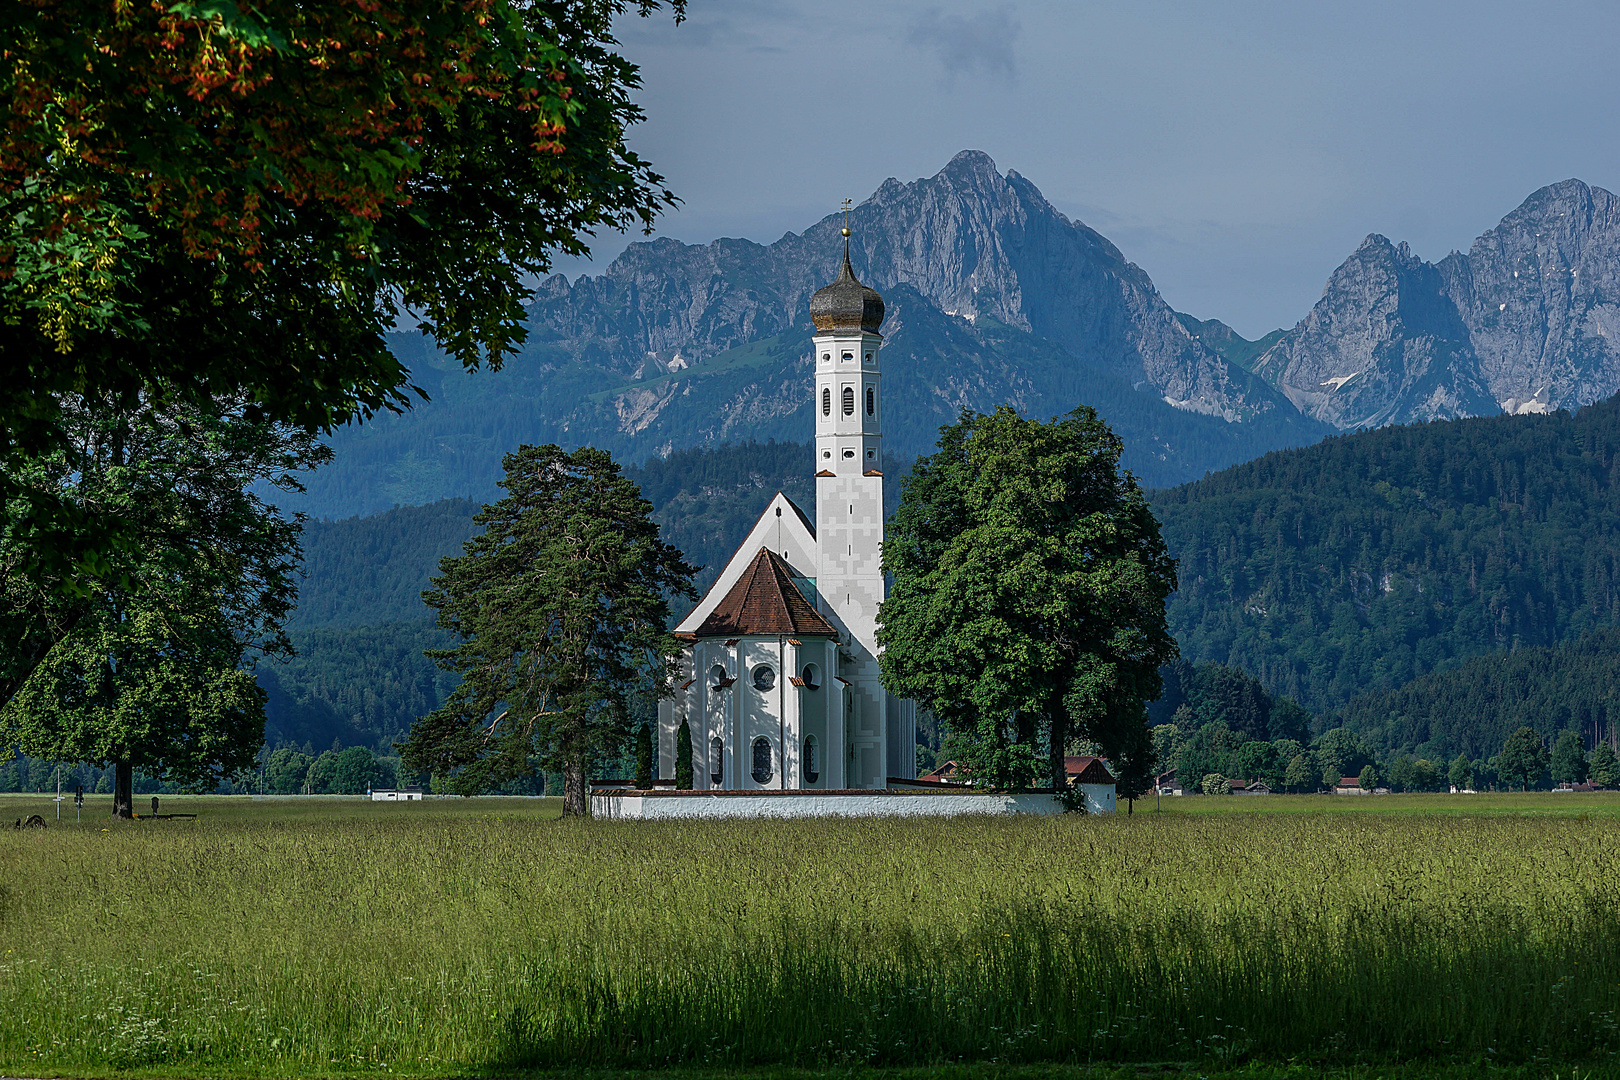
x=1370 y=559
x=993 y=297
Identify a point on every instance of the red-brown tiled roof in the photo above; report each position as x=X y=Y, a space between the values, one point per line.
x=1085 y=769
x=765 y=602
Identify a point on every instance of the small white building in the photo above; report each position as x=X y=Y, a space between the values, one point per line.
x=413 y=794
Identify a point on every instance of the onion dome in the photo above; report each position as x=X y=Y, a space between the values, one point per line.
x=846 y=304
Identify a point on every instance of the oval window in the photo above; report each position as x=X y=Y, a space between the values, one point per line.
x=871 y=401
x=849 y=401
x=812 y=760
x=717 y=675
x=825 y=357
x=812 y=677
x=764 y=677
x=717 y=769
x=762 y=760
x=826 y=402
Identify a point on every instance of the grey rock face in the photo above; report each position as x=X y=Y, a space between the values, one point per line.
x=1384 y=345
x=1540 y=294
x=976 y=244
x=1527 y=321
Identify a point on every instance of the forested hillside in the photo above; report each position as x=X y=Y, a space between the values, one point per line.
x=1472 y=709
x=360 y=627
x=1371 y=559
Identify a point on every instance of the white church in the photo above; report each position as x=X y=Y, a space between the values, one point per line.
x=779 y=684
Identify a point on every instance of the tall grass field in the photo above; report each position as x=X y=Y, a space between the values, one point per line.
x=322 y=937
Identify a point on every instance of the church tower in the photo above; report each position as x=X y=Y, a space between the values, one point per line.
x=849 y=516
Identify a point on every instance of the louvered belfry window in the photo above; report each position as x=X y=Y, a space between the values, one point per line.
x=849 y=401
x=826 y=402
x=871 y=401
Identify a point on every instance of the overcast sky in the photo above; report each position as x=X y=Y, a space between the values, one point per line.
x=1236 y=152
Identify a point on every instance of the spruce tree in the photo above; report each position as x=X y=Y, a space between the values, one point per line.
x=683 y=757
x=644 y=756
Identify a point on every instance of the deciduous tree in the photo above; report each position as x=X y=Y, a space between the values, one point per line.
x=1461 y=773
x=1523 y=760
x=561 y=604
x=145 y=667
x=209 y=200
x=1605 y=766
x=1569 y=762
x=1029 y=590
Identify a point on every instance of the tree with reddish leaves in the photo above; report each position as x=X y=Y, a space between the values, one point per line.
x=209 y=200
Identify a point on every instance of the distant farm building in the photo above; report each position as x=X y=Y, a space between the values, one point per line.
x=412 y=794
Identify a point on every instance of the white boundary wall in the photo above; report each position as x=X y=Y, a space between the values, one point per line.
x=634 y=806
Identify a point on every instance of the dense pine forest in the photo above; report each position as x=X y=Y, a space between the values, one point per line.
x=1372 y=559
x=1472 y=709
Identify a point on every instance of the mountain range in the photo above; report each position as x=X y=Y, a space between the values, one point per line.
x=994 y=296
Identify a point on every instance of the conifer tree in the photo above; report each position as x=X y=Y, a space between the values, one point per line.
x=683 y=757
x=561 y=604
x=644 y=757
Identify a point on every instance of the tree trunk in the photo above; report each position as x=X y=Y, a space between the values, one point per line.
x=1060 y=736
x=574 y=804
x=124 y=789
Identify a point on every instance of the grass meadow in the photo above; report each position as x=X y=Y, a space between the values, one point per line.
x=1289 y=935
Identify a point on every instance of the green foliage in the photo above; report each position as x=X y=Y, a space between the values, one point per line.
x=1215 y=784
x=1298 y=775
x=644 y=757
x=350 y=771
x=1372 y=559
x=1340 y=752
x=286 y=771
x=1473 y=708
x=1407 y=773
x=370 y=571
x=1605 y=766
x=1569 y=761
x=360 y=685
x=683 y=757
x=1217 y=694
x=561 y=607
x=1028 y=597
x=1461 y=773
x=144 y=665
x=1369 y=780
x=1522 y=764
x=205 y=205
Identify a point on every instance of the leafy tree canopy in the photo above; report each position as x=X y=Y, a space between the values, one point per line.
x=1028 y=598
x=203 y=201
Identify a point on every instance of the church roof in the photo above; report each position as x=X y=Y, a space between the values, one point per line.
x=846 y=304
x=765 y=602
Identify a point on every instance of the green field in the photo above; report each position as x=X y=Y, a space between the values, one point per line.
x=1274 y=936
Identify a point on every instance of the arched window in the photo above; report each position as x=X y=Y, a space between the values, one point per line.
x=717 y=675
x=812 y=677
x=762 y=760
x=717 y=758
x=826 y=402
x=849 y=401
x=764 y=677
x=871 y=401
x=812 y=760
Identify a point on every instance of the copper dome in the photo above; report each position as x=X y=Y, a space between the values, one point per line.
x=846 y=304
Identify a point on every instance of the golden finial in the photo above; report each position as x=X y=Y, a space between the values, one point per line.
x=845 y=209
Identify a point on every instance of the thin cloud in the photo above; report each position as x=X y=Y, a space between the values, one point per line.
x=968 y=44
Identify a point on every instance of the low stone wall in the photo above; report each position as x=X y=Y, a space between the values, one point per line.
x=662 y=805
